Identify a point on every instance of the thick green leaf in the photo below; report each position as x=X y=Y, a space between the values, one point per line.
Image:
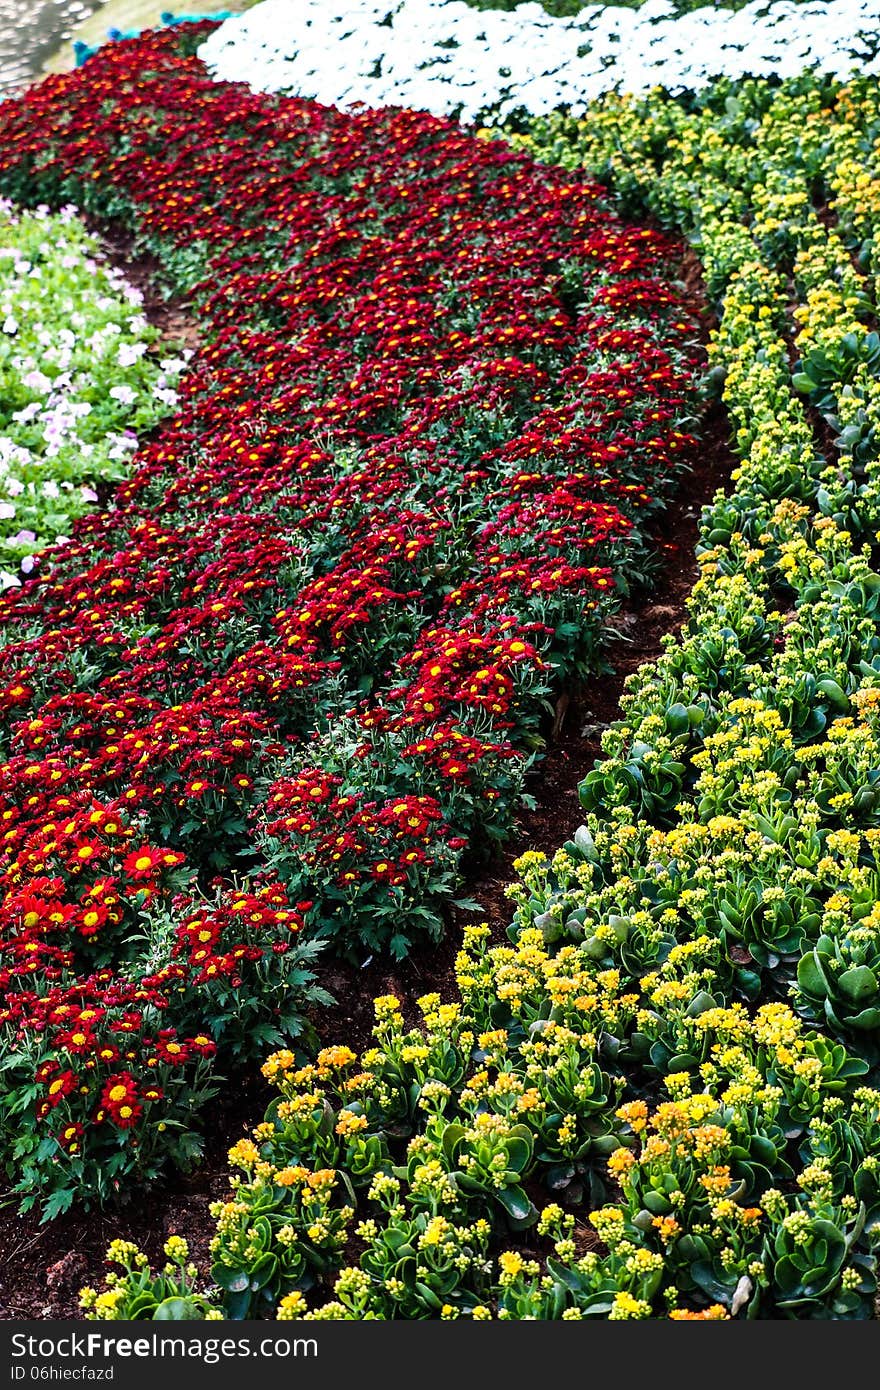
x=516 y=1203
x=233 y=1280
x=176 y=1310
x=810 y=975
x=858 y=983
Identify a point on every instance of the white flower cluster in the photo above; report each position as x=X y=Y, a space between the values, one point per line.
x=445 y=57
x=76 y=382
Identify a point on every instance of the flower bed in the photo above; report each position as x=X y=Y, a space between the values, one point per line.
x=79 y=379
x=447 y=57
x=273 y=695
x=680 y=1045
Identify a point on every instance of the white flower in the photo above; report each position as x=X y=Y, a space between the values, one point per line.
x=37 y=381
x=129 y=353
x=445 y=57
x=77 y=332
x=9 y=581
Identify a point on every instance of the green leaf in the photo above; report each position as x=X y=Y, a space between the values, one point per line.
x=858 y=983
x=803 y=383
x=763 y=1149
x=705 y=1278
x=428 y=1296
x=59 y=1202
x=452 y=1134
x=564 y=1274
x=867 y=1021
x=559 y=1176
x=598 y=1305
x=233 y=1280
x=141 y=1308
x=519 y=1151
x=263 y=1270
x=176 y=1310
x=810 y=975
x=657 y=1203
x=701 y=1001
x=516 y=1203
x=237 y=1305
x=833 y=693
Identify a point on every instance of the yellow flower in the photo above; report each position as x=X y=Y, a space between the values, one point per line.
x=287 y=1177
x=714 y=1313
x=323 y=1178
x=435 y=1232
x=349 y=1123
x=122 y=1252
x=244 y=1154
x=635 y=1114
x=278 y=1062
x=511 y=1263
x=292 y=1306
x=387 y=1006
x=626 y=1307
x=620 y=1162
x=336 y=1056
x=666 y=1227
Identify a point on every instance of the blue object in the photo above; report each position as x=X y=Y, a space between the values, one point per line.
x=168 y=17
x=82 y=51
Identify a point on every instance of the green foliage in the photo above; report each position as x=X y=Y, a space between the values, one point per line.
x=80 y=373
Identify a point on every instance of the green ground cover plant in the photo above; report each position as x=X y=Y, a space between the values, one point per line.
x=82 y=373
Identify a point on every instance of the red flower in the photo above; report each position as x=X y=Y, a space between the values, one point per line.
x=76 y=1040
x=61 y=1086
x=69 y=1137
x=119 y=1099
x=142 y=863
x=171 y=1051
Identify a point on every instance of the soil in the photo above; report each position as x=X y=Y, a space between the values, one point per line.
x=43 y=1267
x=170 y=314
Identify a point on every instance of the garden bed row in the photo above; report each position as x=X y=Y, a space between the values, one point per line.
x=80 y=377
x=456 y=58
x=682 y=1036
